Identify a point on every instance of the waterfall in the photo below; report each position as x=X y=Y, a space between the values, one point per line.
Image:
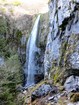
x=31 y=49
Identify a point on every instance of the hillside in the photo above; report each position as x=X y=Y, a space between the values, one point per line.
x=39 y=52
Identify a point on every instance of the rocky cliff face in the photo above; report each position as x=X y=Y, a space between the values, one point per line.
x=61 y=58
x=59 y=54
x=62 y=49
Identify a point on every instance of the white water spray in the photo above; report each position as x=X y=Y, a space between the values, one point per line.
x=31 y=50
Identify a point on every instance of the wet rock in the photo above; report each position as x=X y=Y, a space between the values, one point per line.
x=43 y=90
x=72 y=84
x=38 y=77
x=23 y=40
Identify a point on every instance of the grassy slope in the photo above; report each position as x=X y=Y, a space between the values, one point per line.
x=29 y=7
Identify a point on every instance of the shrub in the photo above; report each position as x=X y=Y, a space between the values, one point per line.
x=74 y=97
x=10 y=77
x=16 y=3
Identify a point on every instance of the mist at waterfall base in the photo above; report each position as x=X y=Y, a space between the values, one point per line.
x=31 y=50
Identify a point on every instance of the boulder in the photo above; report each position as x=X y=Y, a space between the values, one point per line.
x=43 y=90
x=74 y=60
x=77 y=103
x=72 y=84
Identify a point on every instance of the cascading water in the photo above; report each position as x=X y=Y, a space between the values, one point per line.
x=30 y=54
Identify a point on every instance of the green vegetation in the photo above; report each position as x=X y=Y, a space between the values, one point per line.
x=3 y=25
x=10 y=77
x=4 y=48
x=10 y=73
x=3 y=9
x=13 y=2
x=18 y=34
x=16 y=3
x=11 y=11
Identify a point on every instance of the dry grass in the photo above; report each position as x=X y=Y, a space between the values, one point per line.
x=31 y=6
x=74 y=97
